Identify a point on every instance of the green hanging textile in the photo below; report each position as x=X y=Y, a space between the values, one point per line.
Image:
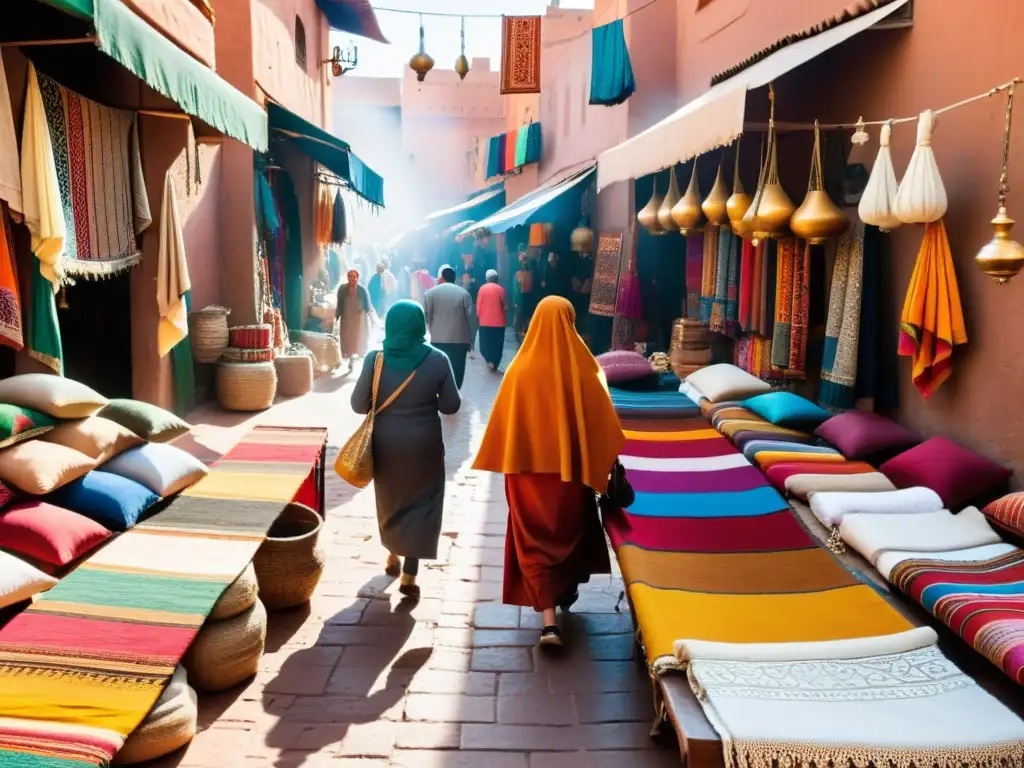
x=183 y=370
x=611 y=71
x=42 y=338
x=292 y=254
x=522 y=141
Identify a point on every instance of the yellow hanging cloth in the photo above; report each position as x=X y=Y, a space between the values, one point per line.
x=324 y=215
x=172 y=280
x=933 y=321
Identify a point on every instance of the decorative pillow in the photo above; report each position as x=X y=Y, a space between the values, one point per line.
x=956 y=473
x=622 y=365
x=17 y=424
x=96 y=437
x=1007 y=512
x=49 y=534
x=111 y=500
x=20 y=581
x=726 y=382
x=55 y=396
x=37 y=468
x=786 y=409
x=148 y=421
x=163 y=469
x=861 y=433
x=6 y=495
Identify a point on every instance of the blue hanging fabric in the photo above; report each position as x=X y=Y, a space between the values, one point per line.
x=611 y=71
x=493 y=158
x=533 y=143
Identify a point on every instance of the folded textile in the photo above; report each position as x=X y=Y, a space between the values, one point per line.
x=831 y=508
x=889 y=560
x=873 y=535
x=813 y=485
x=767 y=459
x=779 y=473
x=754 y=447
x=914 y=708
x=668 y=464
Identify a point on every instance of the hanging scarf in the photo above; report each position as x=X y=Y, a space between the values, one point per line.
x=801 y=308
x=842 y=329
x=732 y=288
x=292 y=252
x=755 y=288
x=339 y=225
x=10 y=298
x=708 y=272
x=43 y=331
x=783 y=304
x=183 y=370
x=869 y=348
x=769 y=272
x=694 y=274
x=725 y=241
x=611 y=71
x=323 y=215
x=405 y=334
x=746 y=285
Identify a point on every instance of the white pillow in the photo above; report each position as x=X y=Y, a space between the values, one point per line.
x=53 y=395
x=162 y=468
x=726 y=382
x=686 y=388
x=20 y=581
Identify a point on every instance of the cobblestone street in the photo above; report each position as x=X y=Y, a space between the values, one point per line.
x=360 y=679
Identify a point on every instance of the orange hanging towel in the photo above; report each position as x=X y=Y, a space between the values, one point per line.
x=933 y=320
x=510 y=150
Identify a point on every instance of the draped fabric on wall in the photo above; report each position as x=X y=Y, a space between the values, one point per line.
x=611 y=71
x=289 y=203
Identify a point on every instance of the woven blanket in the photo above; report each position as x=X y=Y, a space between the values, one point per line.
x=778 y=474
x=832 y=508
x=81 y=668
x=872 y=535
x=520 y=54
x=805 y=486
x=102 y=188
x=754 y=447
x=888 y=561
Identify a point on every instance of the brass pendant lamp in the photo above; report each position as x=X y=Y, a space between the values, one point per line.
x=739 y=201
x=462 y=63
x=582 y=238
x=1002 y=257
x=648 y=216
x=769 y=213
x=421 y=63
x=716 y=204
x=668 y=204
x=686 y=214
x=818 y=218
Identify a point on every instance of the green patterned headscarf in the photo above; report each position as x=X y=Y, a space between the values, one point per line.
x=405 y=336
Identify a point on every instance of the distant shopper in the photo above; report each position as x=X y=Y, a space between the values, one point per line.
x=449 y=311
x=378 y=296
x=353 y=312
x=492 y=312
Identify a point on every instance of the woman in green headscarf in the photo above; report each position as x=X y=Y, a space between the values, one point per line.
x=408 y=445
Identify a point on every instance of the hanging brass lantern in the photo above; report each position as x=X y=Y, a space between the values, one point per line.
x=818 y=218
x=715 y=205
x=769 y=213
x=687 y=214
x=667 y=205
x=1002 y=257
x=421 y=63
x=462 y=63
x=582 y=238
x=648 y=216
x=738 y=202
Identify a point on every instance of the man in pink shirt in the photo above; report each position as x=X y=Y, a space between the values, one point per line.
x=492 y=312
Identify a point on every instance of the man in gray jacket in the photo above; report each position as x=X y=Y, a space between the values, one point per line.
x=449 y=310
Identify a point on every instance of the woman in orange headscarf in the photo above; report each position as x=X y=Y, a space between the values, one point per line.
x=554 y=434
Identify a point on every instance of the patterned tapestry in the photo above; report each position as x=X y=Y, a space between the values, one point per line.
x=606 y=275
x=520 y=54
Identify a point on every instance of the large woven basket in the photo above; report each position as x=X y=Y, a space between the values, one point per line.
x=208 y=330
x=294 y=374
x=170 y=725
x=691 y=347
x=246 y=386
x=248 y=355
x=325 y=349
x=228 y=651
x=290 y=562
x=237 y=598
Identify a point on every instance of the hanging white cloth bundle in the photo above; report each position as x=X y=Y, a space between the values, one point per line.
x=878 y=201
x=921 y=198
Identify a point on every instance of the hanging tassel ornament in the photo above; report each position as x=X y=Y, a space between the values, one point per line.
x=648 y=216
x=769 y=214
x=818 y=218
x=921 y=197
x=879 y=199
x=421 y=63
x=716 y=204
x=686 y=213
x=462 y=63
x=1002 y=257
x=739 y=201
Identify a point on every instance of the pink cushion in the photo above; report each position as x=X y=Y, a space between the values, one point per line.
x=858 y=434
x=49 y=533
x=622 y=365
x=956 y=473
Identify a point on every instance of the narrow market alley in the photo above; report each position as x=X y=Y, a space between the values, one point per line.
x=360 y=679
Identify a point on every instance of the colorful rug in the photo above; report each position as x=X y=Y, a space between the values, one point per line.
x=81 y=668
x=605 y=284
x=520 y=54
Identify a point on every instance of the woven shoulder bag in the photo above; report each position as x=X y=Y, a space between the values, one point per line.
x=355 y=461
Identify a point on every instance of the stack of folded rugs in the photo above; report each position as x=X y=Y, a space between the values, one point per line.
x=794 y=659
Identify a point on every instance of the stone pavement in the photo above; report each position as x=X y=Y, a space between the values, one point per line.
x=361 y=679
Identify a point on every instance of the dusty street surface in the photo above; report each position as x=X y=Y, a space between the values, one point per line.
x=359 y=679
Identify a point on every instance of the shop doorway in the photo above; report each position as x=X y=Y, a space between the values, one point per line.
x=96 y=333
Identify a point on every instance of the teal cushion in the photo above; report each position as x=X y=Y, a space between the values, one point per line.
x=786 y=409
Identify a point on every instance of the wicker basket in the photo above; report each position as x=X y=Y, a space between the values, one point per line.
x=246 y=386
x=294 y=374
x=237 y=598
x=325 y=349
x=691 y=347
x=208 y=330
x=251 y=336
x=245 y=355
x=290 y=561
x=227 y=652
x=170 y=725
